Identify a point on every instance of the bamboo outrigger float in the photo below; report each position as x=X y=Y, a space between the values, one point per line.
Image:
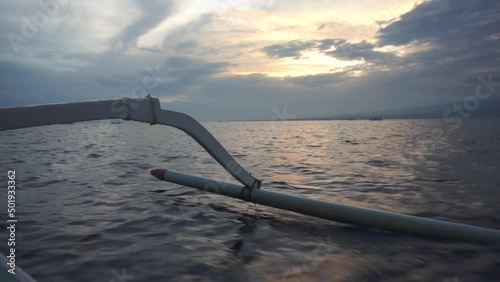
x=148 y=110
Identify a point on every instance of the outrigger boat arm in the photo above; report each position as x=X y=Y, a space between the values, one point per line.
x=146 y=109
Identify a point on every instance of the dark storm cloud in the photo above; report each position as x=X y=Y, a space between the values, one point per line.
x=360 y=50
x=463 y=40
x=295 y=48
x=292 y=49
x=326 y=44
x=342 y=50
x=444 y=22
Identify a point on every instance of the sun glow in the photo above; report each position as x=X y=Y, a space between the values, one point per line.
x=222 y=37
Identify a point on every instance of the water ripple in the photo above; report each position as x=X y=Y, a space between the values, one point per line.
x=102 y=210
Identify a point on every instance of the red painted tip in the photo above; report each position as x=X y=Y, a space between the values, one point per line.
x=158 y=173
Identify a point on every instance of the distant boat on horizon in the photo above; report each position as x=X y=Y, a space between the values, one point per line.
x=376 y=118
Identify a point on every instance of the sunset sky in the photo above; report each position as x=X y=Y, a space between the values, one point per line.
x=236 y=59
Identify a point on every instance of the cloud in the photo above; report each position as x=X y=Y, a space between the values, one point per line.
x=337 y=48
x=362 y=50
x=461 y=39
x=291 y=49
x=295 y=48
x=191 y=69
x=186 y=46
x=326 y=44
x=217 y=64
x=152 y=13
x=429 y=21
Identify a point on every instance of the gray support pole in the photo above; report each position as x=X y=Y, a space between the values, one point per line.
x=337 y=212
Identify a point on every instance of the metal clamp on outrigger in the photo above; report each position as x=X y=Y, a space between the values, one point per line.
x=148 y=110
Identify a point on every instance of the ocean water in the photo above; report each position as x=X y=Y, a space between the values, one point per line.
x=89 y=210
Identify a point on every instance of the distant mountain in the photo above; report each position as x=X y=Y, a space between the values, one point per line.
x=487 y=108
